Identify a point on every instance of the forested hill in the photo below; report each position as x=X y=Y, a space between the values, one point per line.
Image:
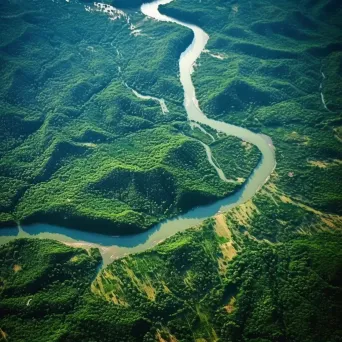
x=207 y=284
x=77 y=147
x=276 y=68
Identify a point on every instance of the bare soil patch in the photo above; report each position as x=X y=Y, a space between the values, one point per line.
x=17 y=268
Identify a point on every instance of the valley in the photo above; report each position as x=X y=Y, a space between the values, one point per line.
x=189 y=230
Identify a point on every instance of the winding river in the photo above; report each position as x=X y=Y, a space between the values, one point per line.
x=113 y=247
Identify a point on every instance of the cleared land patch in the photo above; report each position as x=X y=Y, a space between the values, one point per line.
x=17 y=268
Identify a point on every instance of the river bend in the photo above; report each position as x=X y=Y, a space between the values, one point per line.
x=113 y=247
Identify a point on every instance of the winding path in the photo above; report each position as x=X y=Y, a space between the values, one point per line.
x=118 y=246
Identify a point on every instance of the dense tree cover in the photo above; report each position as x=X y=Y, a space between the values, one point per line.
x=45 y=296
x=77 y=144
x=274 y=61
x=71 y=127
x=288 y=292
x=186 y=289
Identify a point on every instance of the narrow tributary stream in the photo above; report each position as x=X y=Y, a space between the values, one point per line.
x=112 y=247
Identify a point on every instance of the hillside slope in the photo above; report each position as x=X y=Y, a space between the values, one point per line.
x=72 y=125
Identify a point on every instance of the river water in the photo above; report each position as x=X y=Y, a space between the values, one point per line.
x=113 y=247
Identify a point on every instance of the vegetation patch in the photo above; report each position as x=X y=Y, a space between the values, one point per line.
x=79 y=148
x=17 y=268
